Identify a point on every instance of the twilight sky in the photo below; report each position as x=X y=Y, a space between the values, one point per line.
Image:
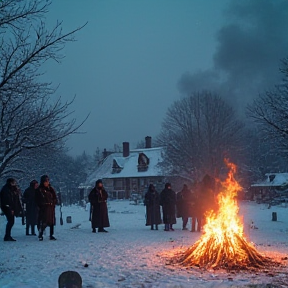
x=135 y=57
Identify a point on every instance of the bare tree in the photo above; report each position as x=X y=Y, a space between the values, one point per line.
x=259 y=157
x=270 y=113
x=199 y=132
x=29 y=116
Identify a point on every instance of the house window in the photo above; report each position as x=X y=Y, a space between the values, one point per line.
x=118 y=184
x=143 y=162
x=116 y=168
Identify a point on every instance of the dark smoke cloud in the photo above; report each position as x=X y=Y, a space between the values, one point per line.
x=249 y=52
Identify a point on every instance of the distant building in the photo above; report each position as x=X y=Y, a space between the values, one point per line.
x=129 y=172
x=275 y=186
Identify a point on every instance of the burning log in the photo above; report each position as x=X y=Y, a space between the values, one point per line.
x=223 y=244
x=237 y=255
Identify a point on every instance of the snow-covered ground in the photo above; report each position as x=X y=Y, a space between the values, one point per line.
x=131 y=255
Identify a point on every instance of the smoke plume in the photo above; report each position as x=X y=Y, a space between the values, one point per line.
x=248 y=54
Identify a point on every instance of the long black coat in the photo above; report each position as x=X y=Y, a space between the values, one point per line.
x=98 y=199
x=10 y=200
x=168 y=203
x=184 y=203
x=152 y=203
x=46 y=201
x=31 y=206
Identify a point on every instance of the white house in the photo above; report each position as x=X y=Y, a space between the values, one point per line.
x=129 y=172
x=274 y=185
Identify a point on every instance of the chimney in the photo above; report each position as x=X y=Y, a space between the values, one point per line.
x=148 y=142
x=126 y=150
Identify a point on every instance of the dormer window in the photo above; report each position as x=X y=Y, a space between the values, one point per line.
x=143 y=162
x=271 y=177
x=115 y=167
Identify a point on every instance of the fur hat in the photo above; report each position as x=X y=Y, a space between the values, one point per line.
x=167 y=185
x=151 y=187
x=10 y=181
x=33 y=182
x=98 y=182
x=44 y=178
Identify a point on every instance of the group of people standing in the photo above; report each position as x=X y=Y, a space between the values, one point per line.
x=37 y=202
x=40 y=200
x=184 y=204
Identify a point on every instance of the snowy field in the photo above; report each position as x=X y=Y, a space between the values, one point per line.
x=131 y=255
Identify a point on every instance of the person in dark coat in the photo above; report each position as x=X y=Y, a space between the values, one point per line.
x=46 y=200
x=10 y=205
x=205 y=200
x=98 y=199
x=207 y=192
x=31 y=207
x=151 y=201
x=168 y=203
x=183 y=205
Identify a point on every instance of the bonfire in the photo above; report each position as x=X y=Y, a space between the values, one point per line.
x=223 y=244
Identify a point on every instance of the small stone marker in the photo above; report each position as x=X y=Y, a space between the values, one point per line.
x=274 y=216
x=70 y=279
x=68 y=219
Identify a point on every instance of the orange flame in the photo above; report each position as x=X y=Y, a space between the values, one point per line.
x=223 y=244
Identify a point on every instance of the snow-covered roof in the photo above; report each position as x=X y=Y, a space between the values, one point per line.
x=129 y=165
x=273 y=180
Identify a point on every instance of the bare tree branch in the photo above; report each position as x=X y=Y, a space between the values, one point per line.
x=198 y=132
x=270 y=112
x=29 y=117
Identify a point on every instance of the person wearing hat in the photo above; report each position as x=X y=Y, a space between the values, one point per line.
x=10 y=205
x=168 y=203
x=31 y=207
x=99 y=214
x=46 y=201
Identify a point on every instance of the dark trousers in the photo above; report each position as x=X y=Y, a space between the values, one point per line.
x=185 y=221
x=32 y=228
x=152 y=227
x=168 y=227
x=43 y=227
x=10 y=224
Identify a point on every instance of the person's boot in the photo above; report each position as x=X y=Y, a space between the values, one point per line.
x=33 y=230
x=40 y=235
x=152 y=228
x=102 y=230
x=184 y=224
x=51 y=233
x=9 y=238
x=93 y=230
x=27 y=230
x=156 y=227
x=166 y=227
x=171 y=227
